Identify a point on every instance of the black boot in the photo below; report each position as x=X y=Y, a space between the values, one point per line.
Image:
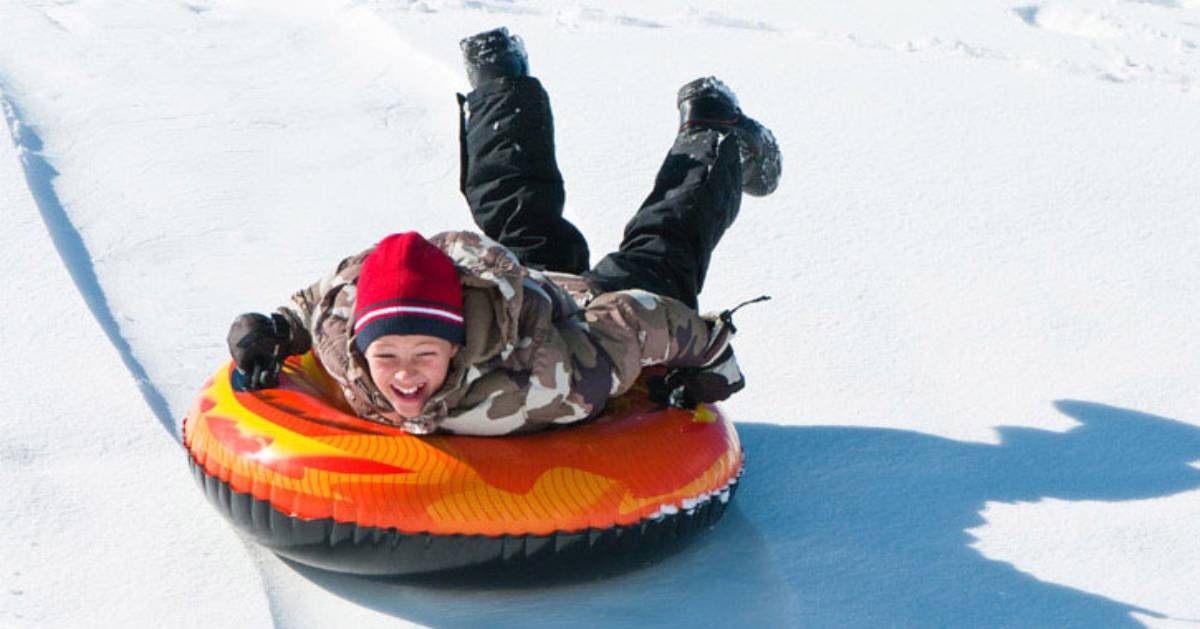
x=494 y=54
x=707 y=102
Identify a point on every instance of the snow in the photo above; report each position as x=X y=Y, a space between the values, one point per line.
x=971 y=401
x=101 y=524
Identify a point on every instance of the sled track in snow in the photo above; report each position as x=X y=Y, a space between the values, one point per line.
x=39 y=177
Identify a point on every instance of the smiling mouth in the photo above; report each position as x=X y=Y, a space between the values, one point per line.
x=408 y=393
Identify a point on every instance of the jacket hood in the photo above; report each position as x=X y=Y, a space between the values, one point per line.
x=493 y=291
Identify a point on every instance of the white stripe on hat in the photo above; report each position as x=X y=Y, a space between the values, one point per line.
x=433 y=312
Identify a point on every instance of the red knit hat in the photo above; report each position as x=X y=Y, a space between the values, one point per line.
x=408 y=286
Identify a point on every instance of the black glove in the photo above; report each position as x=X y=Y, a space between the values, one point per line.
x=685 y=387
x=715 y=380
x=259 y=344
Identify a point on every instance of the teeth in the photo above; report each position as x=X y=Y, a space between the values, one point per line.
x=406 y=391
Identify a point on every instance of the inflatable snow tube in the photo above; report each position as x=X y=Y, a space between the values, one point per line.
x=302 y=476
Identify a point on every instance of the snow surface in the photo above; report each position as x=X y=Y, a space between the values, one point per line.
x=972 y=401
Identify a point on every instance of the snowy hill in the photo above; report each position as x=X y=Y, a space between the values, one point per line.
x=972 y=401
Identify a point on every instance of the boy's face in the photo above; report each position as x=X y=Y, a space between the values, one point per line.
x=409 y=369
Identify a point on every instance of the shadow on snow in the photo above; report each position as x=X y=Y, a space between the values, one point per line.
x=843 y=526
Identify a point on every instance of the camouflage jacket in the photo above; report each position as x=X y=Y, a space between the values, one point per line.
x=541 y=349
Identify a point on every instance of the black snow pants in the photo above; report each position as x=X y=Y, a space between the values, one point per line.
x=511 y=180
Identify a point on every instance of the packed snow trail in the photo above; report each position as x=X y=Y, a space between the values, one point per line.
x=39 y=177
x=106 y=529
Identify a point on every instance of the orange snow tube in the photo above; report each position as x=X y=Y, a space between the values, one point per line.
x=294 y=469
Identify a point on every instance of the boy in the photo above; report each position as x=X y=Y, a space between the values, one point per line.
x=512 y=332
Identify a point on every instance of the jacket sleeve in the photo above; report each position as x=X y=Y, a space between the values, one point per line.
x=310 y=305
x=636 y=329
x=574 y=359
